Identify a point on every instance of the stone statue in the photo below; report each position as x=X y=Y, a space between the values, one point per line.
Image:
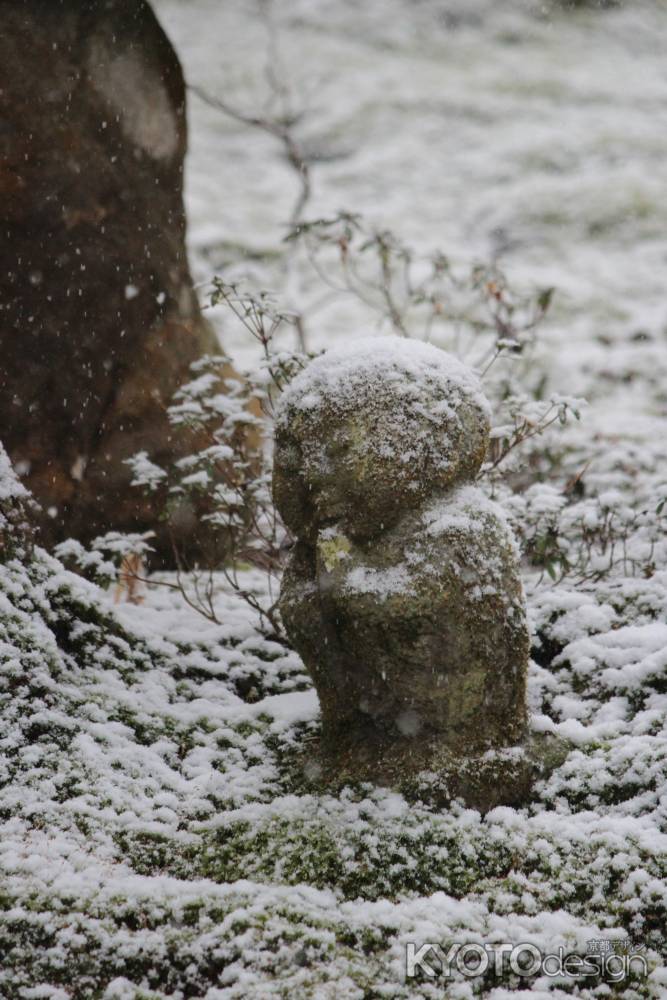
x=403 y=594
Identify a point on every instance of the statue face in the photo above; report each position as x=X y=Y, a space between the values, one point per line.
x=356 y=479
x=368 y=466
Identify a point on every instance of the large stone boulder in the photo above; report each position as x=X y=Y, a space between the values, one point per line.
x=403 y=594
x=98 y=319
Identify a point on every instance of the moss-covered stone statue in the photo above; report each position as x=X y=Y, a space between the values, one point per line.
x=403 y=594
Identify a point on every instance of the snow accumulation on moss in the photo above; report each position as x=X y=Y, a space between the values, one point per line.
x=158 y=836
x=158 y=840
x=161 y=834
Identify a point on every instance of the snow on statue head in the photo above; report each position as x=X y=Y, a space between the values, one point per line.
x=368 y=432
x=403 y=595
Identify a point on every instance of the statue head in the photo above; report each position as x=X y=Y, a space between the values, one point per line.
x=369 y=431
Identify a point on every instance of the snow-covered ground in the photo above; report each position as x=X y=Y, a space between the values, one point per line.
x=473 y=126
x=156 y=840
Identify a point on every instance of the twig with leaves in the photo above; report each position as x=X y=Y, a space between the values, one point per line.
x=420 y=295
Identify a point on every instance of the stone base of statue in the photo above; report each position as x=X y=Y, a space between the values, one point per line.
x=426 y=771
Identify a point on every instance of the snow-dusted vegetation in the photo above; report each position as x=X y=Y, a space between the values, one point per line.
x=157 y=839
x=161 y=837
